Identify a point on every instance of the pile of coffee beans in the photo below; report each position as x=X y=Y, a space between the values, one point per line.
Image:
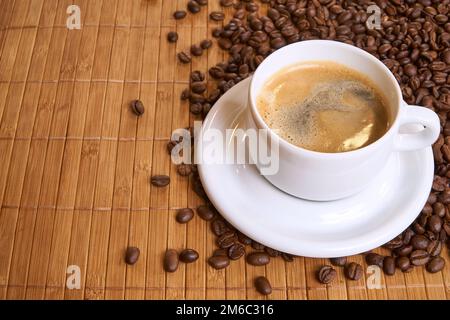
x=413 y=41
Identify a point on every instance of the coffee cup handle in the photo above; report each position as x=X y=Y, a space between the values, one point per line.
x=417 y=140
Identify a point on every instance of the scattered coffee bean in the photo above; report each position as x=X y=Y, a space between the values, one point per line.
x=180 y=14
x=374 y=259
x=171 y=260
x=196 y=50
x=419 y=242
x=196 y=108
x=389 y=266
x=287 y=257
x=435 y=265
x=272 y=252
x=183 y=57
x=419 y=257
x=353 y=271
x=326 y=274
x=184 y=170
x=197 y=76
x=206 y=213
x=198 y=87
x=226 y=3
x=404 y=251
x=244 y=239
x=138 y=107
x=219 y=227
x=258 y=258
x=193 y=7
x=184 y=215
x=339 y=262
x=188 y=255
x=160 y=181
x=216 y=16
x=226 y=240
x=172 y=36
x=403 y=264
x=262 y=285
x=219 y=261
x=132 y=255
x=206 y=44
x=257 y=246
x=202 y=2
x=435 y=223
x=185 y=94
x=220 y=252
x=236 y=251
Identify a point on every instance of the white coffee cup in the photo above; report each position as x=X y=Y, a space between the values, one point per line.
x=329 y=176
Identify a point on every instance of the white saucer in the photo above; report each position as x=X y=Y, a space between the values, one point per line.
x=306 y=228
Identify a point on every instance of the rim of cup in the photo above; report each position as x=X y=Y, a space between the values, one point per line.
x=260 y=123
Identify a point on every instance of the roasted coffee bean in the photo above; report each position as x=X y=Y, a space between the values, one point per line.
x=180 y=14
x=374 y=259
x=404 y=251
x=196 y=108
x=206 y=44
x=434 y=248
x=394 y=243
x=183 y=57
x=138 y=107
x=220 y=252
x=419 y=257
x=225 y=43
x=226 y=240
x=198 y=87
x=435 y=265
x=219 y=262
x=185 y=94
x=132 y=255
x=202 y=2
x=197 y=76
x=160 y=181
x=272 y=252
x=339 y=262
x=184 y=170
x=389 y=266
x=188 y=255
x=258 y=258
x=419 y=242
x=403 y=264
x=219 y=227
x=353 y=271
x=216 y=16
x=172 y=36
x=196 y=50
x=257 y=246
x=206 y=108
x=326 y=274
x=244 y=239
x=193 y=7
x=435 y=223
x=184 y=215
x=226 y=3
x=206 y=212
x=171 y=260
x=287 y=257
x=236 y=251
x=262 y=285
x=407 y=236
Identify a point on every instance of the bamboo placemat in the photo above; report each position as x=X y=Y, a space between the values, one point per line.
x=75 y=163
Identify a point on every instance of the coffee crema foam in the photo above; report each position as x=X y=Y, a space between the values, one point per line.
x=324 y=107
